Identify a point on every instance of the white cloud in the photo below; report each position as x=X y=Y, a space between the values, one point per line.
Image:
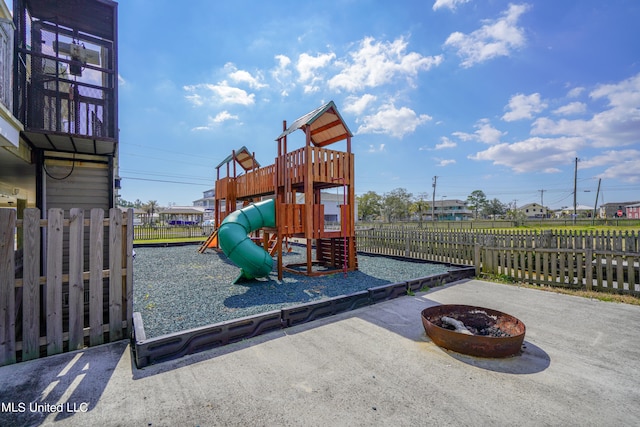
x=282 y=74
x=449 y=4
x=464 y=136
x=307 y=65
x=484 y=133
x=219 y=118
x=376 y=63
x=445 y=143
x=220 y=93
x=524 y=107
x=575 y=92
x=608 y=157
x=392 y=121
x=571 y=109
x=493 y=39
x=223 y=116
x=374 y=149
x=617 y=126
x=283 y=61
x=547 y=126
x=446 y=162
x=534 y=154
x=242 y=76
x=357 y=105
x=625 y=94
x=622 y=164
x=487 y=133
x=195 y=99
x=310 y=88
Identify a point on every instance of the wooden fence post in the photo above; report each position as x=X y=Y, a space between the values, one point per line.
x=407 y=245
x=7 y=287
x=115 y=278
x=55 y=231
x=31 y=285
x=588 y=264
x=128 y=292
x=96 y=248
x=476 y=258
x=76 y=281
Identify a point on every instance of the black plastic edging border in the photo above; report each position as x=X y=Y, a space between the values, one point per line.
x=179 y=344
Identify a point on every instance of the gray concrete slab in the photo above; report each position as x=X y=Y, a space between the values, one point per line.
x=371 y=366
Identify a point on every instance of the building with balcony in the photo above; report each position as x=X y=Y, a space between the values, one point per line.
x=207 y=202
x=17 y=186
x=59 y=97
x=451 y=210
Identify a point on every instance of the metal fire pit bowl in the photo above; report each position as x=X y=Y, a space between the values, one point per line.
x=508 y=344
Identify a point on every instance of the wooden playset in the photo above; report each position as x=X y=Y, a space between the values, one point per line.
x=292 y=187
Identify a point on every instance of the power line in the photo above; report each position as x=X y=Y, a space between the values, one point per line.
x=167 y=181
x=167 y=175
x=180 y=153
x=171 y=160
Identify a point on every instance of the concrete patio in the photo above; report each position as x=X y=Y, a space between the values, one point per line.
x=370 y=366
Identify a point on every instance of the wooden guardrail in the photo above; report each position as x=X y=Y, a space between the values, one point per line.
x=73 y=286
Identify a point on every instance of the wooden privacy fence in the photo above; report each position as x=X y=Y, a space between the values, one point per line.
x=427 y=244
x=604 y=261
x=68 y=285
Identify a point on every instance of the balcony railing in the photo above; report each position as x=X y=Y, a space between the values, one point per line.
x=6 y=63
x=59 y=93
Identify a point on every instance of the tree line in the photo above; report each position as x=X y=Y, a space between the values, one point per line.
x=151 y=207
x=399 y=205
x=396 y=205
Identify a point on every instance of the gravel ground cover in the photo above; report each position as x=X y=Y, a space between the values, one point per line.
x=176 y=288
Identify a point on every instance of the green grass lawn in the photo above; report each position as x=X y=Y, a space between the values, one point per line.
x=616 y=228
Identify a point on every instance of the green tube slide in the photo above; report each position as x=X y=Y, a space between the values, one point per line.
x=237 y=245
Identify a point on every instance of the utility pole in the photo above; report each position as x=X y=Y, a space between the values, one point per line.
x=575 y=192
x=433 y=199
x=593 y=217
x=542 y=197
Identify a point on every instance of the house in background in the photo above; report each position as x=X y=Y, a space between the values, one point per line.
x=534 y=210
x=580 y=210
x=633 y=211
x=208 y=202
x=450 y=210
x=181 y=215
x=615 y=209
x=331 y=202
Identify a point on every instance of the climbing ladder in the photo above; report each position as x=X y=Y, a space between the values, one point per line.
x=211 y=242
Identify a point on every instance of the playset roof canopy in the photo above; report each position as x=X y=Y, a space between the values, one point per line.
x=243 y=157
x=325 y=123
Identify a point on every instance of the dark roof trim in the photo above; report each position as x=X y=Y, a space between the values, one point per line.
x=244 y=157
x=309 y=118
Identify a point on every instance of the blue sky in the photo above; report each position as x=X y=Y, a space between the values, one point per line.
x=486 y=95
